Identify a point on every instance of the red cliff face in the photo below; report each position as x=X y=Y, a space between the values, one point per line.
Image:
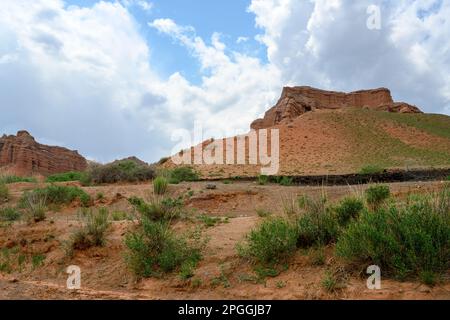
x=22 y=155
x=296 y=101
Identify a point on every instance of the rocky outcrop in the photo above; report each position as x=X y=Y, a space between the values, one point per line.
x=22 y=155
x=296 y=101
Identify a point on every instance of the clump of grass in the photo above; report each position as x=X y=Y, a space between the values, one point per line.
x=263 y=213
x=9 y=214
x=371 y=170
x=154 y=249
x=317 y=224
x=286 y=181
x=93 y=230
x=208 y=220
x=100 y=196
x=120 y=216
x=61 y=195
x=348 y=210
x=329 y=282
x=37 y=260
x=159 y=208
x=317 y=256
x=406 y=240
x=35 y=206
x=272 y=242
x=67 y=176
x=263 y=179
x=160 y=185
x=4 y=193
x=376 y=195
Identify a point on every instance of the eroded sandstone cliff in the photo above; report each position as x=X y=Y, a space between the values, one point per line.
x=22 y=155
x=296 y=101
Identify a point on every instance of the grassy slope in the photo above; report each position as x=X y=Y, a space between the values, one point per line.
x=372 y=145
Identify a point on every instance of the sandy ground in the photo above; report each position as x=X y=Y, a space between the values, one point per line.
x=220 y=275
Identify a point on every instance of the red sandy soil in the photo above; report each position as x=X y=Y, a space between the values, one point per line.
x=105 y=275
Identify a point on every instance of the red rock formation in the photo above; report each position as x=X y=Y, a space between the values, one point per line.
x=296 y=101
x=22 y=155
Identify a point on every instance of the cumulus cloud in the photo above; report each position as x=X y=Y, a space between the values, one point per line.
x=327 y=44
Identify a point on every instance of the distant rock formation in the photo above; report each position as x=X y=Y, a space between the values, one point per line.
x=22 y=155
x=296 y=101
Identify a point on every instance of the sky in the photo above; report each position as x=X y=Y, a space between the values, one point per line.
x=118 y=78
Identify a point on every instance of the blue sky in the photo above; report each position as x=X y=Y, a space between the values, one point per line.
x=230 y=18
x=121 y=77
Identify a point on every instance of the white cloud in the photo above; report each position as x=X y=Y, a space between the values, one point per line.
x=84 y=76
x=327 y=44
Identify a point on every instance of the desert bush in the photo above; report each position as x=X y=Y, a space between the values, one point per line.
x=15 y=179
x=181 y=174
x=60 y=195
x=155 y=249
x=67 y=176
x=376 y=195
x=122 y=171
x=286 y=181
x=35 y=206
x=9 y=214
x=4 y=193
x=93 y=230
x=348 y=209
x=371 y=169
x=160 y=185
x=263 y=179
x=272 y=242
x=158 y=208
x=409 y=240
x=317 y=225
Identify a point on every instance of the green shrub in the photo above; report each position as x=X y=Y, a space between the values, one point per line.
x=4 y=193
x=371 y=170
x=15 y=179
x=158 y=208
x=67 y=176
x=272 y=242
x=9 y=214
x=160 y=185
x=35 y=205
x=348 y=209
x=60 y=195
x=121 y=171
x=404 y=241
x=181 y=174
x=376 y=195
x=317 y=224
x=263 y=180
x=92 y=233
x=155 y=249
x=286 y=181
